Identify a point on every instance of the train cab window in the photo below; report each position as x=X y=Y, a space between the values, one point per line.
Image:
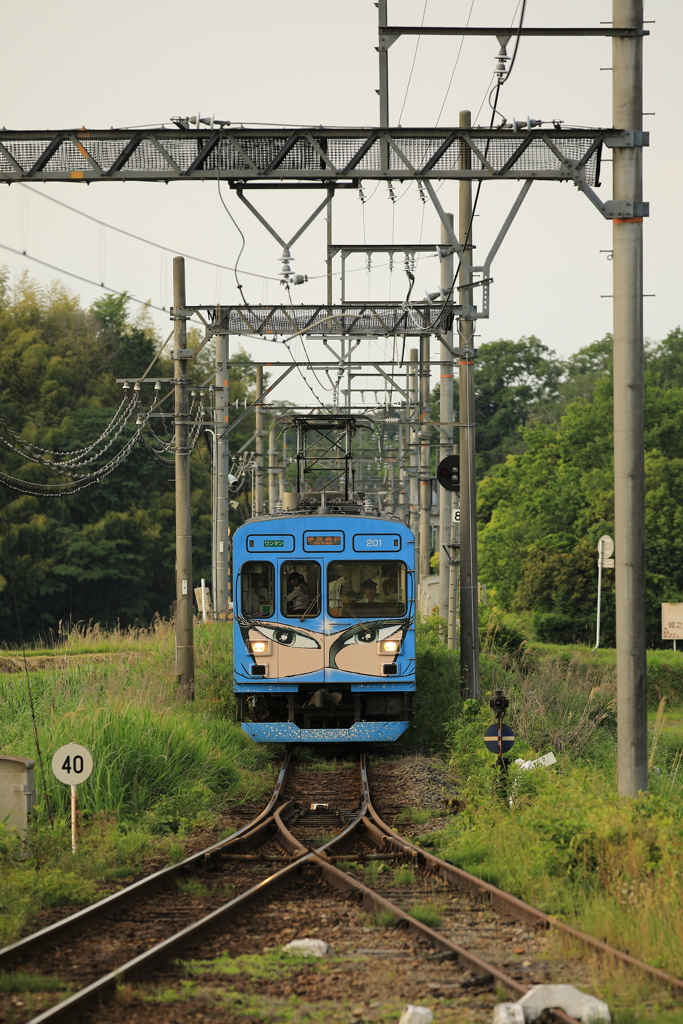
x=300 y=589
x=365 y=590
x=258 y=589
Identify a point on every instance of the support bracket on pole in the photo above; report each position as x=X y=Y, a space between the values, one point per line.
x=612 y=209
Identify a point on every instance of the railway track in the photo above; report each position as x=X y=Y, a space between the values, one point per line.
x=321 y=847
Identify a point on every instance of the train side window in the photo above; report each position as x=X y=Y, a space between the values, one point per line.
x=300 y=589
x=365 y=590
x=258 y=589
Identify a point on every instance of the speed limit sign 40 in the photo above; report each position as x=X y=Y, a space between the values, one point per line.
x=72 y=764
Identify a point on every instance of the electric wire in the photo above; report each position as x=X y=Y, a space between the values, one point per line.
x=225 y=207
x=457 y=59
x=138 y=238
x=412 y=67
x=86 y=280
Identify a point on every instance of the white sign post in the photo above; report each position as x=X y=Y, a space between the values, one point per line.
x=71 y=765
x=672 y=622
x=605 y=561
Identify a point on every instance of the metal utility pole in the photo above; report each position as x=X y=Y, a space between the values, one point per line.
x=446 y=438
x=629 y=457
x=330 y=197
x=425 y=479
x=184 y=635
x=258 y=489
x=221 y=467
x=402 y=511
x=469 y=609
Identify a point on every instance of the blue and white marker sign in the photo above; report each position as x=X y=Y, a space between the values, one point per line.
x=491 y=738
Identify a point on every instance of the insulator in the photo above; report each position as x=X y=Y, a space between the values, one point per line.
x=136 y=386
x=126 y=386
x=157 y=386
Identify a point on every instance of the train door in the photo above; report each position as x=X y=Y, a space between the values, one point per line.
x=299 y=641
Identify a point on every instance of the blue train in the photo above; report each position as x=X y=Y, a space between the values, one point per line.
x=324 y=621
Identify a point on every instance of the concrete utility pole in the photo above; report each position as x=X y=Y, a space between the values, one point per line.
x=413 y=416
x=273 y=471
x=258 y=425
x=629 y=458
x=221 y=466
x=454 y=573
x=402 y=504
x=446 y=439
x=469 y=608
x=184 y=636
x=425 y=478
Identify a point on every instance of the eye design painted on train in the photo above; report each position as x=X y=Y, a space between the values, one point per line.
x=351 y=652
x=285 y=651
x=360 y=635
x=287 y=637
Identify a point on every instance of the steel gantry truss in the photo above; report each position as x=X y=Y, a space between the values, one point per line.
x=326 y=156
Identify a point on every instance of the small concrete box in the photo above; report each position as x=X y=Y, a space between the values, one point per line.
x=17 y=791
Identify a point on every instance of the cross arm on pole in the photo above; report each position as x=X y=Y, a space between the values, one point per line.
x=271 y=387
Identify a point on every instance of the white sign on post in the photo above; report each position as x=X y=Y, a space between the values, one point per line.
x=672 y=622
x=605 y=552
x=72 y=764
x=605 y=561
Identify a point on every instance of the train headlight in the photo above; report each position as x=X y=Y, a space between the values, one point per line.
x=259 y=647
x=389 y=646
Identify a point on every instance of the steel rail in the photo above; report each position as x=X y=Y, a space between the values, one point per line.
x=502 y=900
x=103 y=908
x=85 y=997
x=337 y=878
x=322 y=860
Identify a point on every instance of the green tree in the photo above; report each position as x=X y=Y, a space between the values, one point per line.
x=545 y=508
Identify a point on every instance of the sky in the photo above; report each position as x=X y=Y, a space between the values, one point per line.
x=314 y=62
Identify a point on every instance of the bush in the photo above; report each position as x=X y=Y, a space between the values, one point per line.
x=437 y=696
x=560 y=628
x=500 y=633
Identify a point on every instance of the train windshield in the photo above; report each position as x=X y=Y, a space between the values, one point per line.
x=258 y=589
x=365 y=590
x=300 y=589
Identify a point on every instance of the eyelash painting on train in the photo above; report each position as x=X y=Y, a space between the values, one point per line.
x=303 y=650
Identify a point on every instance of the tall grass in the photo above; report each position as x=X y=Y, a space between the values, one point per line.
x=147 y=746
x=161 y=766
x=567 y=842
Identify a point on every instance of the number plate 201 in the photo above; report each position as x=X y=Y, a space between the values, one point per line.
x=377 y=542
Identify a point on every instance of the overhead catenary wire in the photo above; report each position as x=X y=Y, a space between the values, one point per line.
x=412 y=66
x=140 y=238
x=455 y=65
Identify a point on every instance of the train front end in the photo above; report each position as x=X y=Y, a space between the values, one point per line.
x=324 y=626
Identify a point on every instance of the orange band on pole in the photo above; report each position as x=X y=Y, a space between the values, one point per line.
x=627 y=220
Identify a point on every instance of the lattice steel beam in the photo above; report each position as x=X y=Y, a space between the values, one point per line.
x=352 y=319
x=315 y=155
